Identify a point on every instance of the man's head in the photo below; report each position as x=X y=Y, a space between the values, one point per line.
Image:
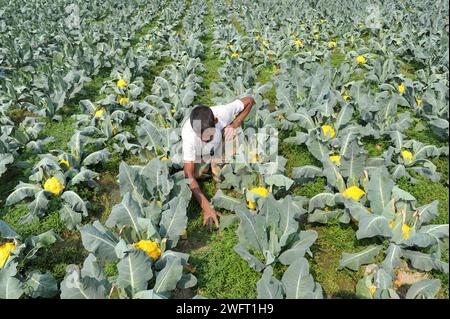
x=203 y=122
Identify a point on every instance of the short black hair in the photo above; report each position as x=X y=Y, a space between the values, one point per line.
x=203 y=114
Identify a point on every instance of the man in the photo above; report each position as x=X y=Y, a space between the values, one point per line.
x=204 y=134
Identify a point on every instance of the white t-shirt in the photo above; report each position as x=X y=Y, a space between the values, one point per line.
x=193 y=147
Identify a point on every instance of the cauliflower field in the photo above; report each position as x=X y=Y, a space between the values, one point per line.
x=93 y=199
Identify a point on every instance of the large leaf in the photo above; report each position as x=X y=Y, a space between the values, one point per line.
x=168 y=277
x=352 y=162
x=148 y=135
x=321 y=216
x=269 y=287
x=91 y=268
x=397 y=138
x=135 y=270
x=97 y=157
x=156 y=177
x=400 y=194
x=379 y=189
x=299 y=248
x=424 y=289
x=187 y=281
x=279 y=180
x=355 y=260
x=425 y=262
x=99 y=241
x=252 y=261
x=41 y=285
x=75 y=202
x=130 y=180
x=148 y=294
x=125 y=214
x=392 y=259
x=84 y=176
x=306 y=172
x=271 y=209
x=5 y=159
x=74 y=286
x=333 y=176
x=252 y=230
x=20 y=192
x=227 y=202
x=371 y=225
x=298 y=282
x=174 y=220
x=6 y=231
x=10 y=286
x=287 y=224
x=318 y=149
x=37 y=207
x=321 y=201
x=76 y=145
x=70 y=217
x=428 y=212
x=437 y=231
x=40 y=241
x=344 y=116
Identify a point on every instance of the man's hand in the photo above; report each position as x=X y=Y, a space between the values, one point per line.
x=229 y=132
x=210 y=217
x=248 y=101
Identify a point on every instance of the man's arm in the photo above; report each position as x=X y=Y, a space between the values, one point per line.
x=230 y=129
x=248 y=103
x=209 y=214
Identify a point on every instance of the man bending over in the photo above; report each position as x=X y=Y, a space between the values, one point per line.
x=204 y=134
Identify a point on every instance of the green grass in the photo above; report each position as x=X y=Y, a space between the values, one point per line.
x=154 y=72
x=90 y=91
x=198 y=234
x=375 y=147
x=111 y=269
x=60 y=131
x=333 y=240
x=357 y=76
x=408 y=71
x=221 y=272
x=310 y=189
x=337 y=58
x=425 y=134
x=409 y=68
x=265 y=76
x=14 y=175
x=18 y=115
x=296 y=155
x=237 y=25
x=211 y=65
x=11 y=216
x=58 y=256
x=210 y=61
x=442 y=166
